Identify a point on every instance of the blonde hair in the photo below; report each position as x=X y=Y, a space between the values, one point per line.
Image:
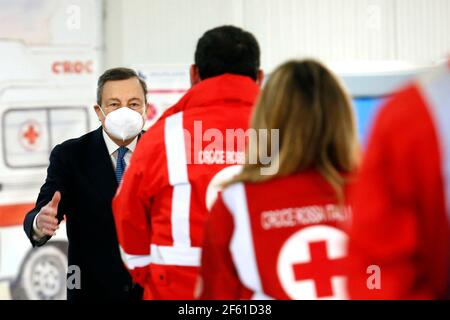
x=314 y=115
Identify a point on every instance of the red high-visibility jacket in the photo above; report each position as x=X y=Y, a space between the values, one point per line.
x=279 y=239
x=399 y=240
x=163 y=201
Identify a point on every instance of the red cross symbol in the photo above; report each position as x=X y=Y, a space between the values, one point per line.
x=320 y=269
x=31 y=135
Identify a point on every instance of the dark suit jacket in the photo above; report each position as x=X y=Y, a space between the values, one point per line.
x=81 y=169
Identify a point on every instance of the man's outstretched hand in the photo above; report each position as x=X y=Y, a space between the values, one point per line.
x=47 y=222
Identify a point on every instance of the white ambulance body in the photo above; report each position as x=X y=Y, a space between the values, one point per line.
x=50 y=52
x=35 y=117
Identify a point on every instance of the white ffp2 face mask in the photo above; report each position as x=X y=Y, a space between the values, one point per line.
x=123 y=123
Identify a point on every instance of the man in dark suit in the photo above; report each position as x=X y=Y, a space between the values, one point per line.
x=82 y=179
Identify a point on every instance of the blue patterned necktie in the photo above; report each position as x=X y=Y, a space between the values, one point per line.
x=120 y=164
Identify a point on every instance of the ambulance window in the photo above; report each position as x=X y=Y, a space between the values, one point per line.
x=26 y=138
x=68 y=124
x=29 y=134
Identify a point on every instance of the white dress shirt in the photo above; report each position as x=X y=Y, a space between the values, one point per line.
x=113 y=150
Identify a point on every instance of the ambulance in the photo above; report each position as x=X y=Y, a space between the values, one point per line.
x=46 y=97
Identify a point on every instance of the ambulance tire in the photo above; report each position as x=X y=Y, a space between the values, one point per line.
x=43 y=274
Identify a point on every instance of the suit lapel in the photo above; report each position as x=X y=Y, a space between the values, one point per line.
x=101 y=169
x=140 y=136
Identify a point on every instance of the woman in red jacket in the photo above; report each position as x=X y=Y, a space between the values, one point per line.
x=281 y=235
x=399 y=244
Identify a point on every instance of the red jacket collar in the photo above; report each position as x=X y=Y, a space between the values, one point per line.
x=217 y=90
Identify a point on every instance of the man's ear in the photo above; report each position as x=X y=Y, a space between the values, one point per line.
x=260 y=77
x=99 y=113
x=194 y=75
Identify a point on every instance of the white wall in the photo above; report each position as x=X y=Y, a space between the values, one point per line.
x=162 y=31
x=166 y=31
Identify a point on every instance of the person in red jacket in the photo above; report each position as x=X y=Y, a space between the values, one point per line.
x=163 y=201
x=399 y=240
x=282 y=236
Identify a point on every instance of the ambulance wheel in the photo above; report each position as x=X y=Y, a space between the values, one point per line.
x=43 y=274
